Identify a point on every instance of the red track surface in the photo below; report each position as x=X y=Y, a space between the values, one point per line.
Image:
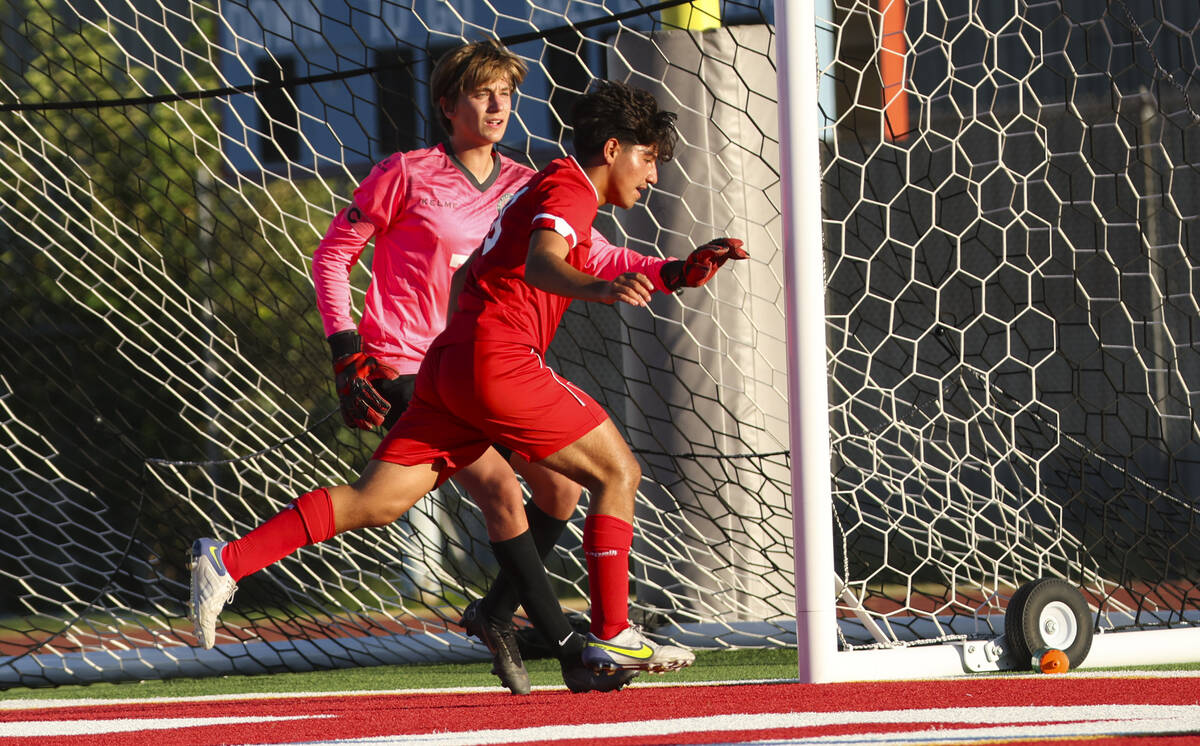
x=1065 y=708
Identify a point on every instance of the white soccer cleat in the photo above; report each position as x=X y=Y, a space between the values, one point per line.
x=212 y=588
x=631 y=650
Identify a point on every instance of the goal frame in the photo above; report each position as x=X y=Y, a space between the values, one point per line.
x=818 y=657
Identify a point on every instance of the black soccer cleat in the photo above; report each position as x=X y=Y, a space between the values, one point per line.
x=501 y=640
x=580 y=678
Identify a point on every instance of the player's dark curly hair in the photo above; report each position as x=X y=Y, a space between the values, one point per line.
x=629 y=114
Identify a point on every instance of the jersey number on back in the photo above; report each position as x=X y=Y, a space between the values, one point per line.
x=493 y=234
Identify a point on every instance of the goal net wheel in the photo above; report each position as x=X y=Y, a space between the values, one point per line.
x=1048 y=613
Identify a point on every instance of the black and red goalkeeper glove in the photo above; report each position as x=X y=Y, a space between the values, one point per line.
x=355 y=374
x=701 y=264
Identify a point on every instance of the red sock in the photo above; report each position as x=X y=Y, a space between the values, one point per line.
x=307 y=520
x=606 y=542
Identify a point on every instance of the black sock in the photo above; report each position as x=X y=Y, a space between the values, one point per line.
x=501 y=601
x=519 y=560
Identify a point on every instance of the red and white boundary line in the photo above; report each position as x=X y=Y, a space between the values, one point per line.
x=961 y=711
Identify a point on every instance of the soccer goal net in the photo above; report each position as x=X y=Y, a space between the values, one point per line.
x=1008 y=196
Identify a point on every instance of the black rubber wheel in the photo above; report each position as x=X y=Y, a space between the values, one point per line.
x=1048 y=613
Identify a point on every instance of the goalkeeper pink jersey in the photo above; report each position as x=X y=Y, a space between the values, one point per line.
x=427 y=214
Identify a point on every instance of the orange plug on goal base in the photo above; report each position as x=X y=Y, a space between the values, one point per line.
x=1054 y=661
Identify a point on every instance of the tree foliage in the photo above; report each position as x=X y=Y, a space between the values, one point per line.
x=116 y=217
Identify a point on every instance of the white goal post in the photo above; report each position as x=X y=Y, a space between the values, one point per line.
x=808 y=384
x=817 y=575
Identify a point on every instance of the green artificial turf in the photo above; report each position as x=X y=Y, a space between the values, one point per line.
x=711 y=665
x=775 y=664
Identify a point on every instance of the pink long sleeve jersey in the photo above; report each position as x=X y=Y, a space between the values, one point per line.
x=427 y=213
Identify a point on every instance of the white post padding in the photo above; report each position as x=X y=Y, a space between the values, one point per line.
x=716 y=342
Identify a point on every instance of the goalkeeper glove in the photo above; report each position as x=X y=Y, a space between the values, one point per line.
x=701 y=264
x=355 y=374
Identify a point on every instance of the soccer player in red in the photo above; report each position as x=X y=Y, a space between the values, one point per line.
x=426 y=211
x=484 y=379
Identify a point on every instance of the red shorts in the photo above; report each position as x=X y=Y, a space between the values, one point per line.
x=471 y=395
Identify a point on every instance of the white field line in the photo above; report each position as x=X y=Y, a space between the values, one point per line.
x=34 y=703
x=990 y=724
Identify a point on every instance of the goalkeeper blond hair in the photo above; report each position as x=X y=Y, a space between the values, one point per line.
x=467 y=67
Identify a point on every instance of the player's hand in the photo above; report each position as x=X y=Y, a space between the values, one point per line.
x=702 y=264
x=633 y=288
x=355 y=374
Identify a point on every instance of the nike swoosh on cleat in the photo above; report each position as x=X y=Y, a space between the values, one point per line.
x=644 y=652
x=216 y=558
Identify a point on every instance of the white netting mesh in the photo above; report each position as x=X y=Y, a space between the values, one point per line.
x=1009 y=293
x=1011 y=319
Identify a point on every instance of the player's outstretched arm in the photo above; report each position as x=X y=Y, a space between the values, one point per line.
x=633 y=288
x=546 y=269
x=608 y=261
x=702 y=264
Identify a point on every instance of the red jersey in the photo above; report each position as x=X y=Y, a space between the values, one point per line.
x=427 y=215
x=496 y=303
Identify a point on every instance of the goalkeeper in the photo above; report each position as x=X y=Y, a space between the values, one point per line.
x=539 y=254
